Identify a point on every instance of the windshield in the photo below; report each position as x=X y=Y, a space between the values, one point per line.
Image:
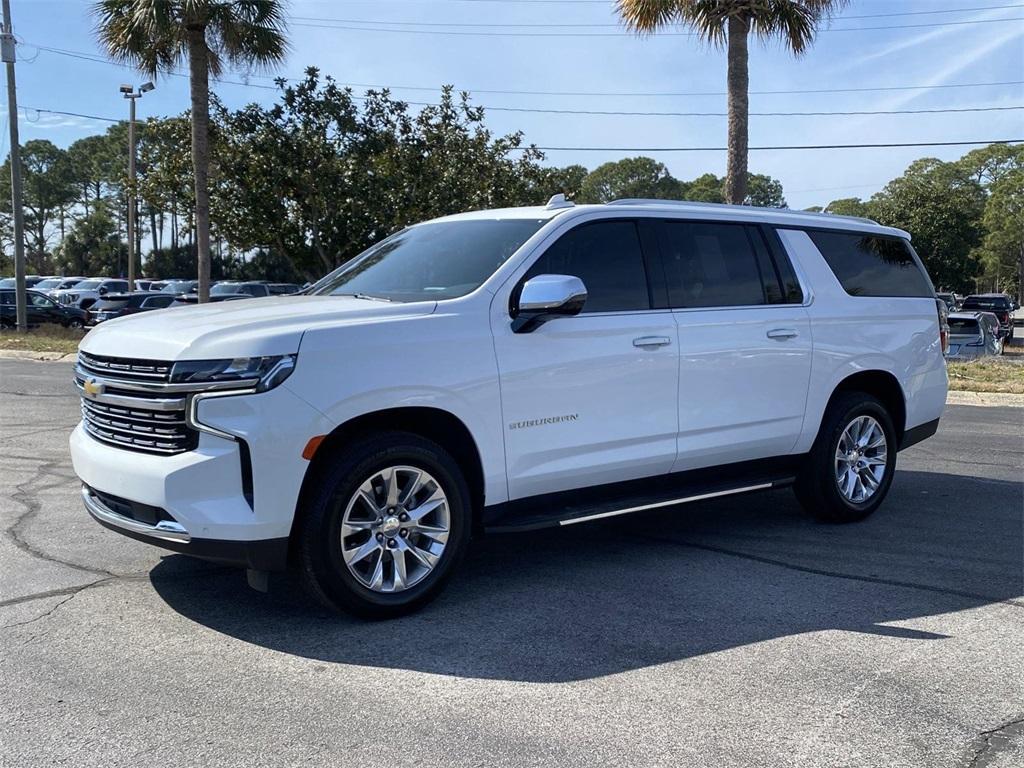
x=49 y=283
x=222 y=288
x=176 y=286
x=89 y=285
x=427 y=262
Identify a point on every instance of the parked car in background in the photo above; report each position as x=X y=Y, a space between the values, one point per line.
x=120 y=304
x=973 y=335
x=178 y=287
x=40 y=310
x=948 y=299
x=193 y=298
x=996 y=303
x=84 y=294
x=252 y=288
x=144 y=284
x=52 y=284
x=283 y=289
x=30 y=281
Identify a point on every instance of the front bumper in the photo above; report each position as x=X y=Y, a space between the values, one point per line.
x=263 y=555
x=231 y=499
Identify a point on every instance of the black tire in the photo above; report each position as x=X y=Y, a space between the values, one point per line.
x=817 y=487
x=318 y=543
x=75 y=323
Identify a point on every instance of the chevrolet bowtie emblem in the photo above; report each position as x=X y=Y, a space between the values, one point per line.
x=93 y=387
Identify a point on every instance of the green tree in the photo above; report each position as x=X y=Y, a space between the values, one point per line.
x=550 y=181
x=941 y=205
x=729 y=23
x=47 y=192
x=762 y=190
x=641 y=177
x=1002 y=250
x=319 y=179
x=93 y=246
x=155 y=35
x=850 y=206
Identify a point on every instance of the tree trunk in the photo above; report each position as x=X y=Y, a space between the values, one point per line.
x=152 y=228
x=737 y=85
x=199 y=77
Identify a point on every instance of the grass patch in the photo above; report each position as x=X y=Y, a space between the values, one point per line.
x=56 y=339
x=988 y=375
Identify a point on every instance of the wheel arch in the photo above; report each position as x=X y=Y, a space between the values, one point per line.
x=441 y=426
x=882 y=385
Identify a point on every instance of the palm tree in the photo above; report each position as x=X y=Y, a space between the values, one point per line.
x=729 y=23
x=156 y=35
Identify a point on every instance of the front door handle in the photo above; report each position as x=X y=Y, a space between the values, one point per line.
x=782 y=333
x=652 y=341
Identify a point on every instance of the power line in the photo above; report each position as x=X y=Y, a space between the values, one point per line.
x=602 y=25
x=664 y=149
x=622 y=34
x=779 y=148
x=817 y=113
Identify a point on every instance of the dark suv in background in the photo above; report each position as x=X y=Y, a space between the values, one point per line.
x=121 y=304
x=40 y=309
x=998 y=304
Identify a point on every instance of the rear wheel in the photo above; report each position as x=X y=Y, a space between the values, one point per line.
x=851 y=464
x=386 y=524
x=75 y=323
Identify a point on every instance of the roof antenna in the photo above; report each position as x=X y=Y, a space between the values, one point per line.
x=559 y=201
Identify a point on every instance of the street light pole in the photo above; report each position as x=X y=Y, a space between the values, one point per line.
x=8 y=55
x=131 y=94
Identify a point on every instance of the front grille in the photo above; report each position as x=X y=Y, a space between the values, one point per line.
x=130 y=417
x=130 y=369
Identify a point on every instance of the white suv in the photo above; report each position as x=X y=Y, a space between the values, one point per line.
x=509 y=369
x=87 y=292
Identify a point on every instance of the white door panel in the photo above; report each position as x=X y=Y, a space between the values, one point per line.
x=743 y=378
x=588 y=400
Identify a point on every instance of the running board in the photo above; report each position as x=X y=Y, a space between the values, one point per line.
x=669 y=503
x=588 y=504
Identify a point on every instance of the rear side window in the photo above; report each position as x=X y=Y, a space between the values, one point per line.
x=717 y=265
x=159 y=302
x=606 y=256
x=963 y=326
x=7 y=297
x=870 y=265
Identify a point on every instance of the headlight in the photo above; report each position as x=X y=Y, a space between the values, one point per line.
x=266 y=372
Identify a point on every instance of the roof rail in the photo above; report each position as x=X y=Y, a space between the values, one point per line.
x=725 y=206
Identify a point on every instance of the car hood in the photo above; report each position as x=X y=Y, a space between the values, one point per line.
x=251 y=328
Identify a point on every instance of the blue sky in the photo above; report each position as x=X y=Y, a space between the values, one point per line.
x=980 y=45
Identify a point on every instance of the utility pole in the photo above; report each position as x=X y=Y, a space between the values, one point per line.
x=8 y=54
x=129 y=93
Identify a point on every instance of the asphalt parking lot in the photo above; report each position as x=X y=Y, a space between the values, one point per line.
x=734 y=632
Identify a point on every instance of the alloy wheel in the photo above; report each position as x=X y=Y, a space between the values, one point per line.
x=861 y=459
x=395 y=528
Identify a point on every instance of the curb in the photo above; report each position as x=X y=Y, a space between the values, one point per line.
x=985 y=399
x=26 y=354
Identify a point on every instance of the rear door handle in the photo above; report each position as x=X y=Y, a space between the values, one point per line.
x=782 y=333
x=652 y=341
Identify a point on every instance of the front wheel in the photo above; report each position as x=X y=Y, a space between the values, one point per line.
x=75 y=323
x=851 y=464
x=385 y=524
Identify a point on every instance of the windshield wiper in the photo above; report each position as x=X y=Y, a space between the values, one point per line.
x=365 y=296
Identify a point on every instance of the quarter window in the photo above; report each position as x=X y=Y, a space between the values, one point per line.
x=869 y=265
x=716 y=265
x=606 y=256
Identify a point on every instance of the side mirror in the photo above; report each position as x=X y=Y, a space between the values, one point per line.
x=102 y=291
x=547 y=296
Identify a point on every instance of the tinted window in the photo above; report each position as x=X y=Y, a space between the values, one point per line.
x=117 y=286
x=437 y=260
x=158 y=302
x=7 y=297
x=868 y=265
x=715 y=265
x=606 y=256
x=109 y=304
x=986 y=302
x=963 y=326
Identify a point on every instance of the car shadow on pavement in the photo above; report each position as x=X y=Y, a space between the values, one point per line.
x=590 y=600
